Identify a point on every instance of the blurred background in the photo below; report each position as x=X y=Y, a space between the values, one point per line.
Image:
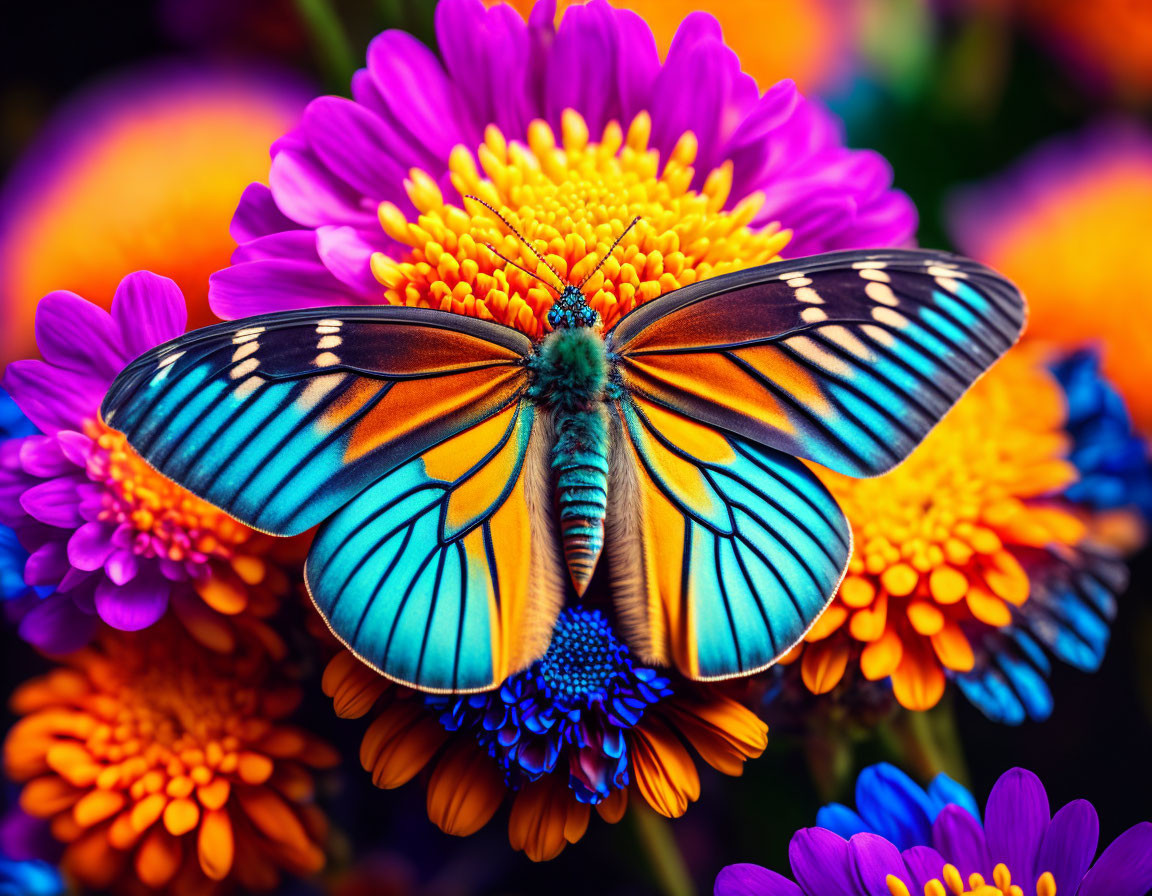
x=1020 y=128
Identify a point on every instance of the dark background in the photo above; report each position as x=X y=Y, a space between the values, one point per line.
x=1098 y=742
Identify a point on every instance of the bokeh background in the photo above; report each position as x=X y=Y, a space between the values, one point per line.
x=952 y=92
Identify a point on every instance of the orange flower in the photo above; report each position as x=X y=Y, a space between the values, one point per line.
x=943 y=543
x=140 y=173
x=805 y=40
x=166 y=767
x=466 y=785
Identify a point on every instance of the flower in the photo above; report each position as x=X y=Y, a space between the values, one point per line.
x=807 y=41
x=113 y=538
x=162 y=763
x=138 y=172
x=969 y=556
x=1021 y=849
x=891 y=804
x=1033 y=224
x=29 y=878
x=351 y=187
x=583 y=726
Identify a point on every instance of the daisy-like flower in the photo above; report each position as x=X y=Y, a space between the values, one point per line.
x=1020 y=849
x=139 y=172
x=806 y=41
x=574 y=130
x=584 y=726
x=160 y=763
x=1030 y=223
x=115 y=540
x=968 y=557
x=29 y=877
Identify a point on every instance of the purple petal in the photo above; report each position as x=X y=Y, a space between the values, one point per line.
x=306 y=191
x=76 y=335
x=42 y=456
x=52 y=398
x=132 y=606
x=874 y=859
x=257 y=215
x=55 y=502
x=1069 y=845
x=287 y=244
x=1015 y=820
x=148 y=310
x=90 y=546
x=960 y=838
x=924 y=864
x=47 y=565
x=121 y=566
x=582 y=67
x=820 y=862
x=752 y=880
x=346 y=253
x=56 y=625
x=257 y=287
x=76 y=446
x=356 y=146
x=1125 y=868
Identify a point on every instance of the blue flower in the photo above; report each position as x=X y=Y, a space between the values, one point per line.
x=584 y=693
x=891 y=804
x=29 y=878
x=1112 y=458
x=13 y=423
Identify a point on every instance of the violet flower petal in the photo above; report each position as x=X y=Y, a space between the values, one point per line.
x=1015 y=819
x=1069 y=845
x=1125 y=868
x=752 y=880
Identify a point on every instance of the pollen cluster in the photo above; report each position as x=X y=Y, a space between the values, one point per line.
x=157 y=761
x=571 y=200
x=943 y=541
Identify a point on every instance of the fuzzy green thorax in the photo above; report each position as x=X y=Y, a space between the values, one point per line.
x=569 y=369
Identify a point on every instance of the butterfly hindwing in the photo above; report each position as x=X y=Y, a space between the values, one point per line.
x=444 y=574
x=723 y=552
x=847 y=359
x=280 y=420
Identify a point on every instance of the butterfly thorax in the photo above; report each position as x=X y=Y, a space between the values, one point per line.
x=568 y=376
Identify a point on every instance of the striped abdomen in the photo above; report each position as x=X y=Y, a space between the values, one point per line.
x=580 y=460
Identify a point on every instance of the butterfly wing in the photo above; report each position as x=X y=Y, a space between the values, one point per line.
x=405 y=433
x=847 y=359
x=725 y=549
x=723 y=552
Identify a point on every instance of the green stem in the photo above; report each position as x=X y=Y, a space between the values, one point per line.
x=928 y=742
x=329 y=40
x=659 y=845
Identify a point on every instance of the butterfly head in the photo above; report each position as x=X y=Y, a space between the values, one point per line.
x=571 y=309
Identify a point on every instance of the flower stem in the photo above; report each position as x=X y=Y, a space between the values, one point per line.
x=663 y=853
x=928 y=742
x=329 y=40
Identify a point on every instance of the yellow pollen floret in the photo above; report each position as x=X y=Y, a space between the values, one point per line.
x=571 y=201
x=953 y=884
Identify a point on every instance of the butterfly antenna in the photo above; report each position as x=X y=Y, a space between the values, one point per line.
x=520 y=236
x=608 y=254
x=492 y=249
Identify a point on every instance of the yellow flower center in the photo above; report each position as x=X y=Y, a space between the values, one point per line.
x=953 y=884
x=570 y=201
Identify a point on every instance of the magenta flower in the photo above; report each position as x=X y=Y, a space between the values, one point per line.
x=116 y=541
x=308 y=239
x=1020 y=849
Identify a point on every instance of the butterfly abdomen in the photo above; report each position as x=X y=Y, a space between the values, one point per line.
x=569 y=373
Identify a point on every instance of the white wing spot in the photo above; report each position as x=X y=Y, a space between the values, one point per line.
x=329 y=342
x=808 y=294
x=797 y=282
x=875 y=274
x=244 y=350
x=881 y=292
x=940 y=270
x=247 y=387
x=327 y=330
x=888 y=316
x=879 y=334
x=246 y=334
x=869 y=265
x=848 y=340
x=169 y=359
x=812 y=314
x=244 y=368
x=948 y=283
x=330 y=322
x=327 y=359
x=792 y=275
x=809 y=350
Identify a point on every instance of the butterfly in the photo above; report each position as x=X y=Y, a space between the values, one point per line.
x=466 y=479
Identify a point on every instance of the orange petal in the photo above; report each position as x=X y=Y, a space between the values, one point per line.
x=947 y=584
x=868 y=624
x=353 y=687
x=210 y=628
x=880 y=658
x=857 y=591
x=275 y=819
x=1006 y=578
x=823 y=665
x=953 y=648
x=92 y=860
x=223 y=591
x=926 y=618
x=899 y=579
x=723 y=732
x=73 y=763
x=145 y=812
x=44 y=797
x=796 y=651
x=918 y=682
x=545 y=815
x=613 y=806
x=214 y=794
x=828 y=622
x=121 y=833
x=254 y=768
x=663 y=770
x=465 y=790
x=215 y=846
x=158 y=858
x=251 y=570
x=96 y=806
x=181 y=816
x=399 y=743
x=988 y=608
